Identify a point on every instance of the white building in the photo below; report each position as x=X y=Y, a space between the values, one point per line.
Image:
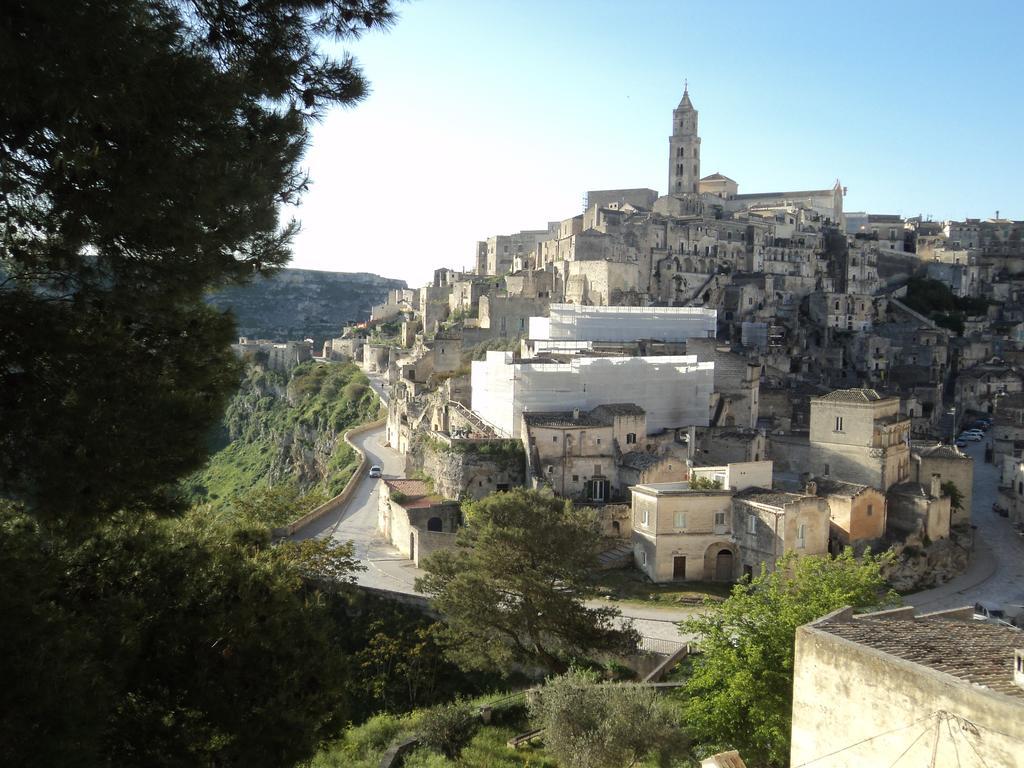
x=573 y=322
x=674 y=391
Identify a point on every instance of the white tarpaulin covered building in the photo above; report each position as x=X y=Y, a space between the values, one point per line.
x=674 y=391
x=573 y=322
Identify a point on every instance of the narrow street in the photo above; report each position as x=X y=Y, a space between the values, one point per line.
x=996 y=571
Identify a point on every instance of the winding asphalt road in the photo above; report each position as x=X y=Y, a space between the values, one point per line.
x=996 y=570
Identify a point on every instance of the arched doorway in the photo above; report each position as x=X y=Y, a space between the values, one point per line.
x=723 y=565
x=435 y=524
x=616 y=528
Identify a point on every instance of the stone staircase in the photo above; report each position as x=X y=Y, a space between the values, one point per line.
x=619 y=556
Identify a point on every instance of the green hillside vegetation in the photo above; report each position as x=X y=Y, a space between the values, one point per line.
x=935 y=300
x=279 y=447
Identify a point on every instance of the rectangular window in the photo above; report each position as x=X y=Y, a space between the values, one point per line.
x=800 y=537
x=643 y=556
x=680 y=520
x=719 y=518
x=871 y=510
x=839 y=423
x=752 y=524
x=554 y=438
x=646 y=517
x=631 y=438
x=575 y=478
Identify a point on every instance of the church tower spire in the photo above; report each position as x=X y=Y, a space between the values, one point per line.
x=684 y=148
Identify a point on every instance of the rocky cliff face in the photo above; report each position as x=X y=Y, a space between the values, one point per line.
x=303 y=303
x=286 y=428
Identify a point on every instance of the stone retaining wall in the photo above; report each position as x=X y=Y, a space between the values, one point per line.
x=342 y=498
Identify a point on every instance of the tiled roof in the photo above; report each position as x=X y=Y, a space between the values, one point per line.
x=852 y=396
x=620 y=409
x=641 y=460
x=941 y=451
x=973 y=651
x=566 y=419
x=910 y=489
x=416 y=493
x=600 y=416
x=768 y=497
x=829 y=487
x=718 y=177
x=800 y=193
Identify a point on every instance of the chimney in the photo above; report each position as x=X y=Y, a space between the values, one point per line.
x=575 y=414
x=811 y=488
x=936 y=485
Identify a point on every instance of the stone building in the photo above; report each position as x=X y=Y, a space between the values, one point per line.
x=857 y=512
x=683 y=534
x=277 y=356
x=951 y=465
x=978 y=388
x=684 y=149
x=917 y=512
x=673 y=391
x=938 y=689
x=725 y=445
x=415 y=520
x=858 y=436
x=577 y=453
x=768 y=524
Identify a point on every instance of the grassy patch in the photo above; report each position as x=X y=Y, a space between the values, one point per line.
x=631 y=586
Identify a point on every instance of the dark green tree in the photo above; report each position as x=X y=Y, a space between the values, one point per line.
x=956 y=499
x=145 y=149
x=740 y=694
x=512 y=591
x=169 y=643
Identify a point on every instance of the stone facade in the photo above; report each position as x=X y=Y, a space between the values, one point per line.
x=933 y=690
x=467 y=468
x=917 y=512
x=951 y=465
x=684 y=149
x=414 y=520
x=858 y=436
x=857 y=513
x=681 y=534
x=769 y=524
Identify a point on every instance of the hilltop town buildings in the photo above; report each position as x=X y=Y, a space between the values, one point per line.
x=623 y=355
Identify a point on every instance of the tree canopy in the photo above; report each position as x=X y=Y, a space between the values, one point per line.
x=512 y=590
x=591 y=724
x=741 y=689
x=146 y=147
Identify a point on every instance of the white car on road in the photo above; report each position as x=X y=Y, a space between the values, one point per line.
x=376 y=471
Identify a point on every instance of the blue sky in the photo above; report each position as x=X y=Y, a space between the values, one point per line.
x=488 y=117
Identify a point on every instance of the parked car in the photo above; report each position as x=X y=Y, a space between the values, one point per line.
x=1001 y=511
x=961 y=442
x=986 y=611
x=376 y=471
x=974 y=437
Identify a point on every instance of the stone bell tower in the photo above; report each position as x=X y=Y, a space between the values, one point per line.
x=684 y=149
